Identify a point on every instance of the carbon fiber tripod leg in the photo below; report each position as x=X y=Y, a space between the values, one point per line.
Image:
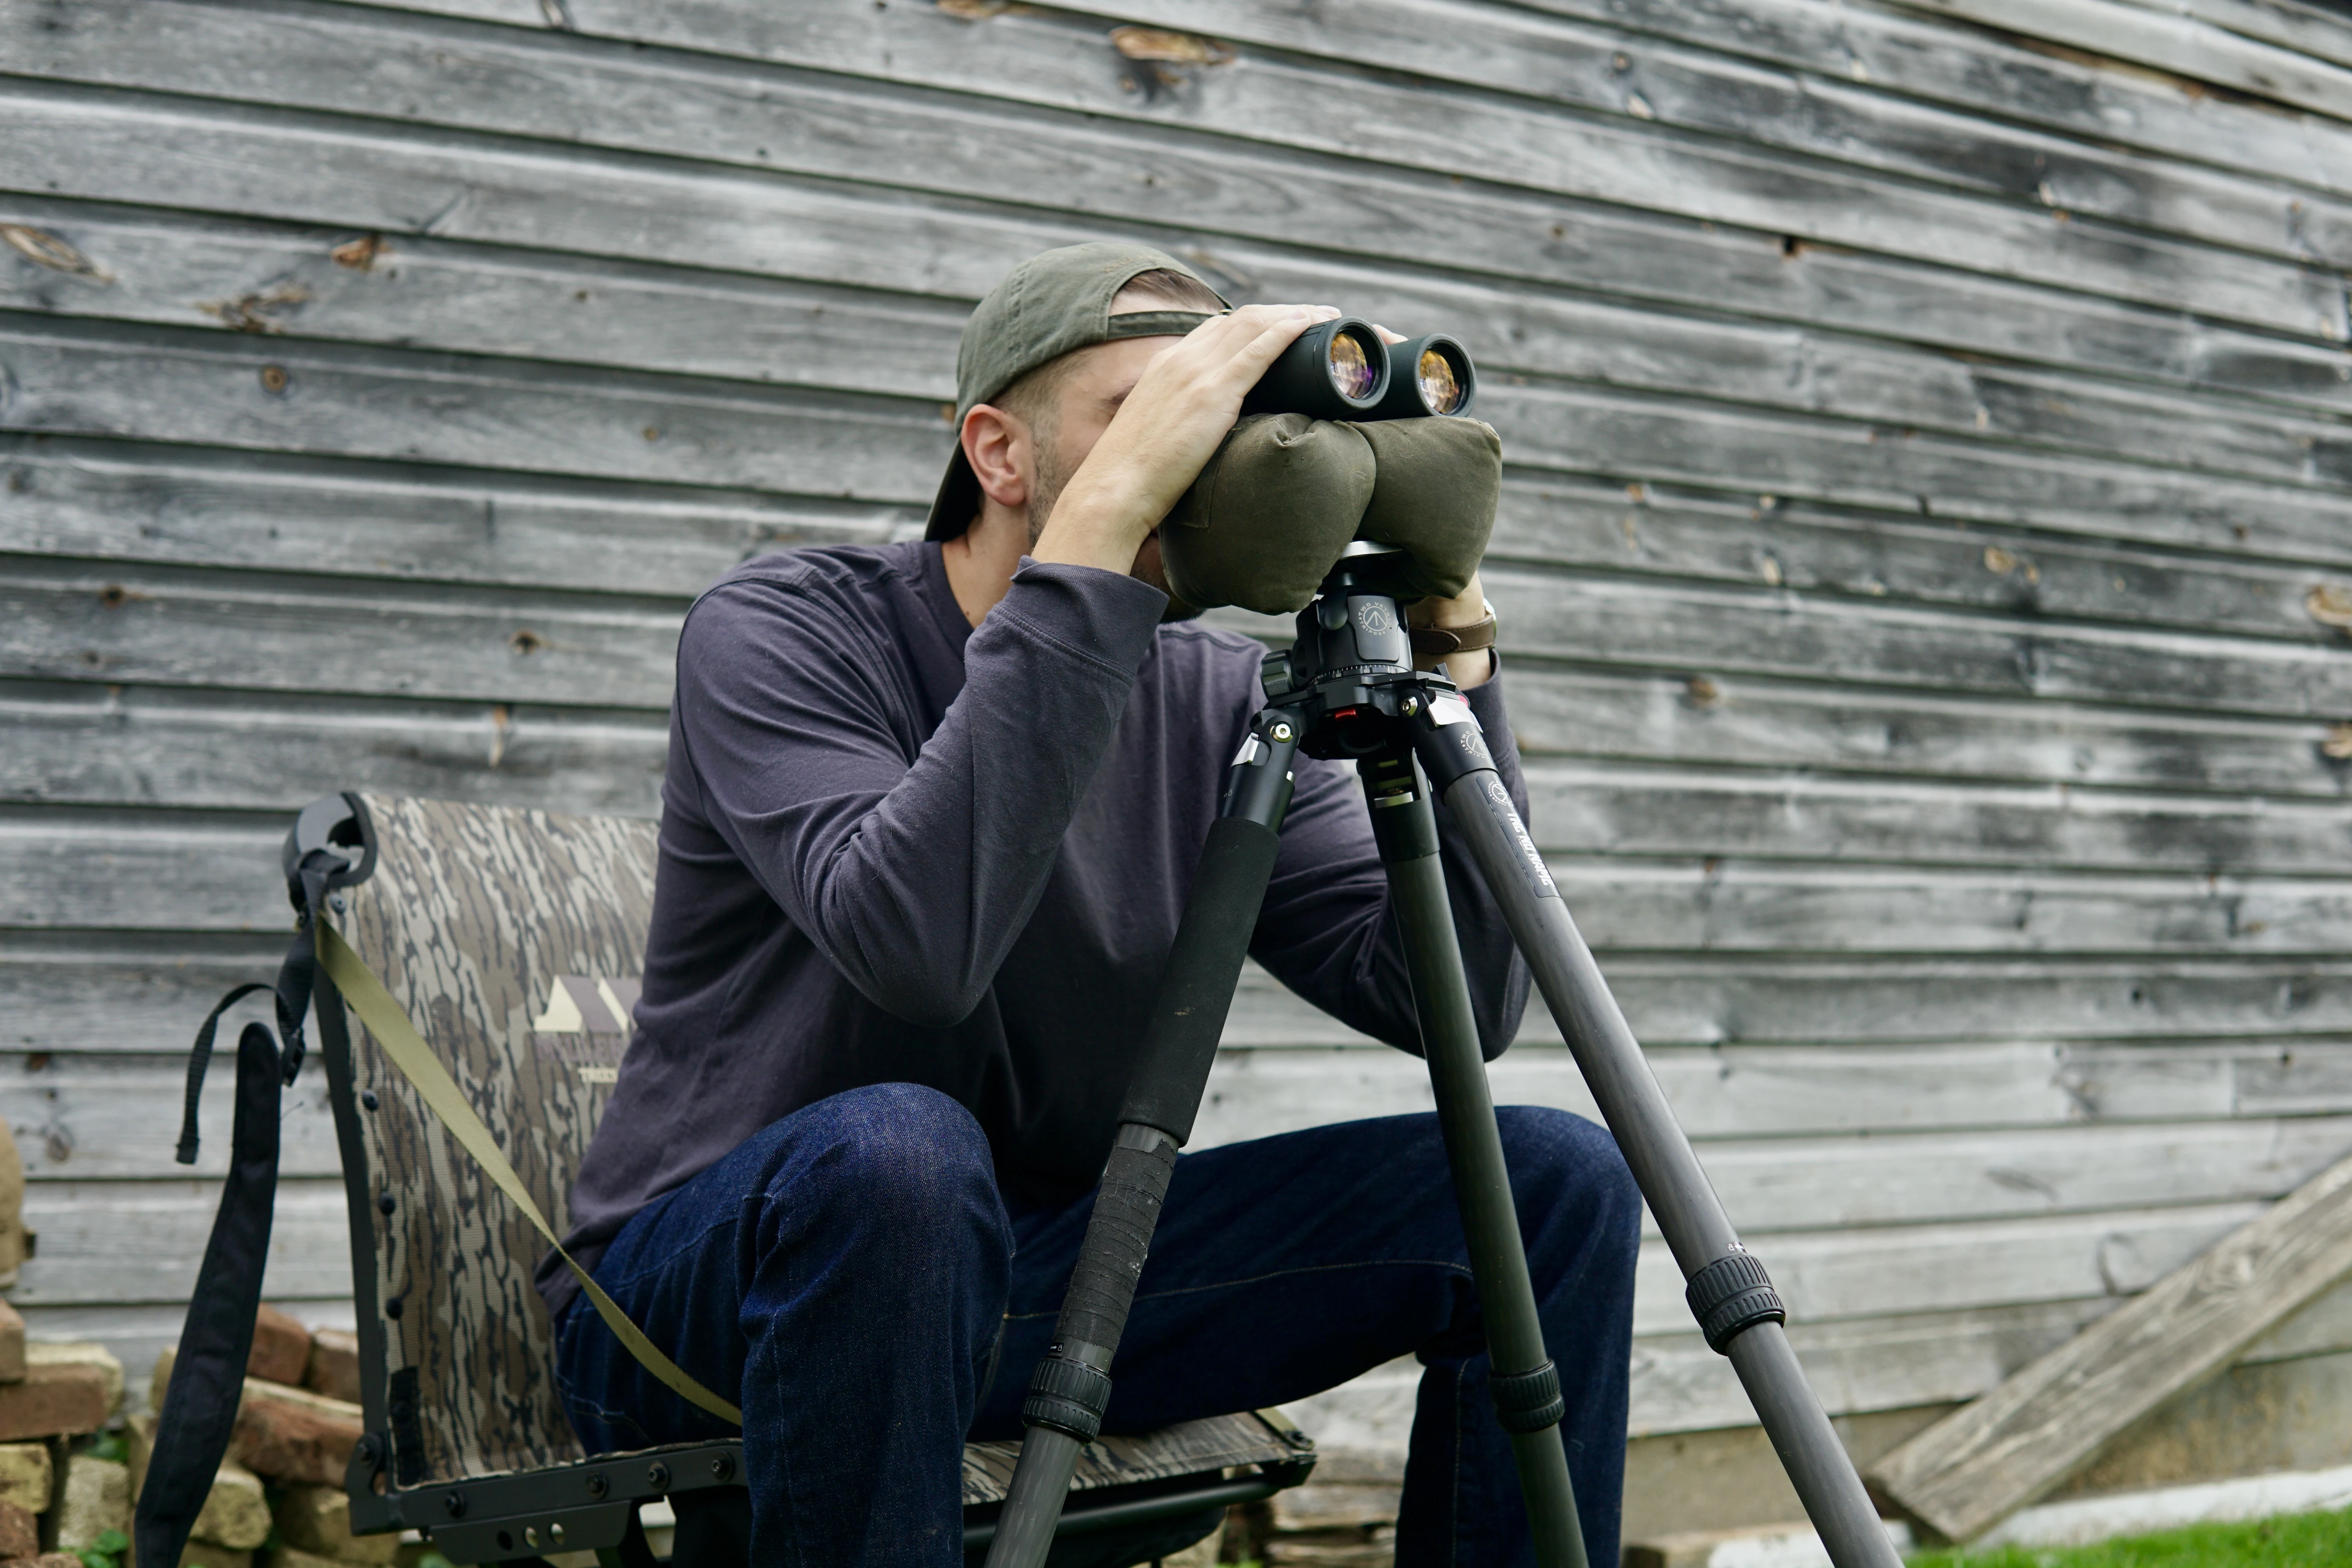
x=1072 y=1385
x=1524 y=1384
x=1728 y=1290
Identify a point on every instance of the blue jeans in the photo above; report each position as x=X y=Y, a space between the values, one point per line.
x=853 y=1278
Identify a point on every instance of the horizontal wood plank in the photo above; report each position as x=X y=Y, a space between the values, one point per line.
x=113 y=624
x=218 y=872
x=108 y=1243
x=1871 y=1273
x=1704 y=717
x=125 y=743
x=1748 y=1091
x=158 y=984
x=1900 y=53
x=2078 y=93
x=172 y=269
x=115 y=1116
x=2185 y=44
x=84 y=379
x=90 y=379
x=134 y=500
x=493 y=79
x=129 y=499
x=102 y=745
x=170 y=154
x=98 y=745
x=1841 y=112
x=131 y=622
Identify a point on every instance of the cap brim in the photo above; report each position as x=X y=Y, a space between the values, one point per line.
x=957 y=506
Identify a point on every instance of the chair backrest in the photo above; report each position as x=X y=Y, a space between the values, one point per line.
x=513 y=939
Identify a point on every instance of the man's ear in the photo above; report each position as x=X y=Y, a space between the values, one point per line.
x=1002 y=455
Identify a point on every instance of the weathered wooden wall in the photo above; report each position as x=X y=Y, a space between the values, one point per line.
x=1922 y=563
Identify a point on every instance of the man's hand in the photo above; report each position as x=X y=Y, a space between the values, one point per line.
x=1164 y=432
x=1467 y=608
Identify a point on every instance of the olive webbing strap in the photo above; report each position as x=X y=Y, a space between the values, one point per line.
x=399 y=1041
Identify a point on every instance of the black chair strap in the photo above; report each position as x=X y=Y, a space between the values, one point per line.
x=200 y=1405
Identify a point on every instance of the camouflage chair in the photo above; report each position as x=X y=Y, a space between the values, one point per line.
x=513 y=939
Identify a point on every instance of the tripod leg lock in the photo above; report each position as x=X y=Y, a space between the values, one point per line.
x=1731 y=1295
x=1067 y=1397
x=1527 y=1401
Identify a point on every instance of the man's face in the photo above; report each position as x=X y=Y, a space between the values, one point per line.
x=1097 y=382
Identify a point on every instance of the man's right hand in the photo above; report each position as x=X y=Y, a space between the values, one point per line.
x=1168 y=425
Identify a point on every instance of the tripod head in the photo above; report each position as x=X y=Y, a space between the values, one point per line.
x=1348 y=677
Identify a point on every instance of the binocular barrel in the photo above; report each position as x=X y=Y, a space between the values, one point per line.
x=1341 y=370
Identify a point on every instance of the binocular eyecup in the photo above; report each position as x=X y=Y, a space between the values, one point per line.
x=1341 y=370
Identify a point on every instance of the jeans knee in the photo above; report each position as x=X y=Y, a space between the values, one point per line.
x=905 y=1156
x=1572 y=1167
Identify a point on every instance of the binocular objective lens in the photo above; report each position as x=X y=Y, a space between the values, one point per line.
x=1351 y=369
x=1441 y=389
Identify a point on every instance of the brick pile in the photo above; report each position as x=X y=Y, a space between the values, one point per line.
x=50 y=1396
x=279 y=1502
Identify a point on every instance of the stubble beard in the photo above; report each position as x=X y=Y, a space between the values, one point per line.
x=1052 y=476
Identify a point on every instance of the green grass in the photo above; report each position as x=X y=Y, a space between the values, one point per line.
x=2291 y=1541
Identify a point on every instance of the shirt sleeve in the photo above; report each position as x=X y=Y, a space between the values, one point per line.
x=1326 y=930
x=911 y=863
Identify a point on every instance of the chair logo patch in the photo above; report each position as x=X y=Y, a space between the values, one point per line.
x=586 y=1024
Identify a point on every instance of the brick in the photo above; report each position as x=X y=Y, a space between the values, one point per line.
x=235 y=1512
x=319 y=1519
x=52 y=1401
x=288 y=1434
x=281 y=1348
x=26 y=1477
x=79 y=1352
x=291 y=1435
x=20 y=1531
x=94 y=1498
x=46 y=1560
x=334 y=1369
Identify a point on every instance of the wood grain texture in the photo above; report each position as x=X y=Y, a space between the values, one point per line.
x=1921 y=562
x=215 y=871
x=2185 y=44
x=123 y=622
x=280 y=281
x=165 y=153
x=1971 y=1470
x=489 y=80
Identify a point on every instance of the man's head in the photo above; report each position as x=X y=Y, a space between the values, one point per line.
x=1046 y=360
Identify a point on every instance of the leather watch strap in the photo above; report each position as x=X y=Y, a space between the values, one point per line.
x=1443 y=640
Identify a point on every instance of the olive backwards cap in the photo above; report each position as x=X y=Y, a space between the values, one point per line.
x=1043 y=309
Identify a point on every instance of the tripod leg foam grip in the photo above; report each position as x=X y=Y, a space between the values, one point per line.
x=1118 y=1239
x=1196 y=989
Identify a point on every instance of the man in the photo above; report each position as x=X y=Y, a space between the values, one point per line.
x=930 y=813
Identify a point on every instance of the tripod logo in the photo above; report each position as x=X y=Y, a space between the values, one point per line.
x=1372 y=618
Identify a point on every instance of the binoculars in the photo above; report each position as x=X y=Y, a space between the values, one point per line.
x=1341 y=370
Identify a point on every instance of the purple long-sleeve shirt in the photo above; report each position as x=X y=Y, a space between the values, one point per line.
x=895 y=849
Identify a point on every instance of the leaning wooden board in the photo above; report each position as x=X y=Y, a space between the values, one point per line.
x=1970 y=1470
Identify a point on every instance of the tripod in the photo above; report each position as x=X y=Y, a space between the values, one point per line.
x=1347 y=688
